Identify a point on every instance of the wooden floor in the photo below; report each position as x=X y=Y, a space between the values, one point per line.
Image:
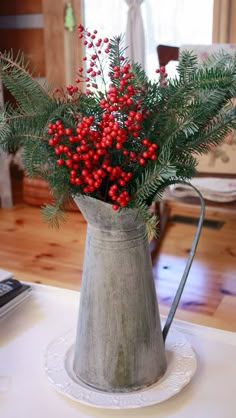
x=34 y=252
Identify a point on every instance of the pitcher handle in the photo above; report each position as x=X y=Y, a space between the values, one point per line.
x=180 y=289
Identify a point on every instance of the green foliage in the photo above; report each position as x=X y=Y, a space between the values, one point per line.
x=148 y=189
x=186 y=117
x=117 y=50
x=19 y=81
x=53 y=215
x=187 y=66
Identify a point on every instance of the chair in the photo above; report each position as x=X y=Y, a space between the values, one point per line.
x=167 y=53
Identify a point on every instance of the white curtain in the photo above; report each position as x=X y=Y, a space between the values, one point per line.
x=170 y=22
x=135 y=40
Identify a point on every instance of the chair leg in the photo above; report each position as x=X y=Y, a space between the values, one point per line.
x=161 y=210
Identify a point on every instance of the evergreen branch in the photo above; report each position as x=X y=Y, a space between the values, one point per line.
x=187 y=66
x=214 y=133
x=150 y=220
x=140 y=77
x=31 y=160
x=194 y=120
x=116 y=50
x=151 y=181
x=220 y=60
x=53 y=215
x=205 y=79
x=27 y=136
x=19 y=64
x=17 y=117
x=20 y=82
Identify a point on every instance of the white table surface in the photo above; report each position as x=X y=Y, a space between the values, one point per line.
x=25 y=391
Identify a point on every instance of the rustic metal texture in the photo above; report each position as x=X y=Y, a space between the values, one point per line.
x=119 y=344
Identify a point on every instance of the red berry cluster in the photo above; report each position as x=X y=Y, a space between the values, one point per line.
x=103 y=153
x=163 y=74
x=121 y=198
x=98 y=46
x=88 y=156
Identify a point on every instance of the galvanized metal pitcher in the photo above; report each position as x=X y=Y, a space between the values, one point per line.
x=120 y=344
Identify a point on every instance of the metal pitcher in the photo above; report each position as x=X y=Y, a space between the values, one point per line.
x=120 y=346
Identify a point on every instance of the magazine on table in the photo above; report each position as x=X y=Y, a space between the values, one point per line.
x=12 y=292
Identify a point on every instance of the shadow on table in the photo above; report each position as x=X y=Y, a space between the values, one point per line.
x=19 y=320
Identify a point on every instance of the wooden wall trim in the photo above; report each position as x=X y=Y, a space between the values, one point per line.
x=22 y=21
x=54 y=42
x=14 y=7
x=63 y=51
x=29 y=41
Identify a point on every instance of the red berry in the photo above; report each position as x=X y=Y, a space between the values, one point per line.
x=60 y=162
x=139 y=116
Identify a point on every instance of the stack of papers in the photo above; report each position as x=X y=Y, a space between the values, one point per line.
x=4 y=274
x=211 y=188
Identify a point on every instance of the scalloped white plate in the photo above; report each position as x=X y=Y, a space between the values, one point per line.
x=181 y=366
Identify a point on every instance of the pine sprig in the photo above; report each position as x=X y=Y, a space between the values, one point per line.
x=187 y=66
x=220 y=60
x=53 y=215
x=150 y=219
x=20 y=82
x=151 y=181
x=214 y=132
x=117 y=50
x=148 y=189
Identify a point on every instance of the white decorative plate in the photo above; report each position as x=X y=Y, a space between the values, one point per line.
x=181 y=366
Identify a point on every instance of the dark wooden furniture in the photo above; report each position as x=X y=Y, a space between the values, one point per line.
x=167 y=53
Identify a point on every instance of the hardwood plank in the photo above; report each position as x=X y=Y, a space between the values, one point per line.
x=227 y=309
x=214 y=263
x=64 y=52
x=199 y=318
x=30 y=41
x=35 y=253
x=46 y=254
x=13 y=7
